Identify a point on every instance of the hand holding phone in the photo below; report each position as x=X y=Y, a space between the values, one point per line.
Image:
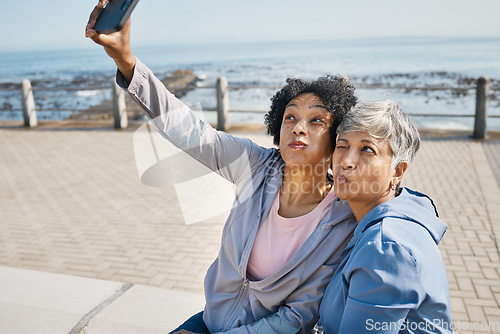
x=114 y=16
x=116 y=45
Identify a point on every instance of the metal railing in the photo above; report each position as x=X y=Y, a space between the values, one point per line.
x=222 y=92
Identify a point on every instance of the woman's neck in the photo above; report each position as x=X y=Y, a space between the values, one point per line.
x=304 y=186
x=361 y=208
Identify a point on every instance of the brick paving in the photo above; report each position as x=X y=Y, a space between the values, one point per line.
x=71 y=202
x=492 y=149
x=457 y=175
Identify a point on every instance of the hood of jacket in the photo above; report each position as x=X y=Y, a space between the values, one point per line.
x=411 y=206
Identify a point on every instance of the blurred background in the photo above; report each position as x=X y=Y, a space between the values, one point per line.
x=425 y=55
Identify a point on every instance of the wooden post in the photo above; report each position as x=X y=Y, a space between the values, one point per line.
x=29 y=112
x=222 y=104
x=119 y=107
x=483 y=88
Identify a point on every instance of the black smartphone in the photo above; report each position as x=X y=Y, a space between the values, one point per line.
x=114 y=16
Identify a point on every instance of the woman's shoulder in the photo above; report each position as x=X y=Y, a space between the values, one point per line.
x=266 y=161
x=397 y=239
x=402 y=231
x=339 y=213
x=380 y=250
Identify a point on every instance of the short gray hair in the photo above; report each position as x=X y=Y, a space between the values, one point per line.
x=384 y=120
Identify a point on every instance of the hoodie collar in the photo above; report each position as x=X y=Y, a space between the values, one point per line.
x=410 y=205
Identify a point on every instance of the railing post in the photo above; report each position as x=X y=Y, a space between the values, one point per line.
x=483 y=88
x=29 y=112
x=222 y=104
x=119 y=107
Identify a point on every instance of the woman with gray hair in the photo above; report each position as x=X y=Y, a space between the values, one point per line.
x=392 y=278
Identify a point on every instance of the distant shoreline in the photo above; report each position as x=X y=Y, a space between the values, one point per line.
x=448 y=88
x=178 y=83
x=107 y=125
x=90 y=47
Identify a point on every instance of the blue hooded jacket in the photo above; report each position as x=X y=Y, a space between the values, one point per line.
x=392 y=278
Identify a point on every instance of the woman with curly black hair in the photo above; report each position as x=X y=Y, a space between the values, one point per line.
x=284 y=235
x=335 y=93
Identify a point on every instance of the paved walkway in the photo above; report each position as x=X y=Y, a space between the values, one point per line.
x=492 y=150
x=71 y=203
x=48 y=303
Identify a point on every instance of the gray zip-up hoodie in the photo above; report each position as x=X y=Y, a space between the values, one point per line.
x=286 y=302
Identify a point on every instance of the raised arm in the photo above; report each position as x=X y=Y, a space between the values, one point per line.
x=116 y=45
x=231 y=157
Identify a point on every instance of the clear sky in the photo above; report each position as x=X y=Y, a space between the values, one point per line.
x=50 y=24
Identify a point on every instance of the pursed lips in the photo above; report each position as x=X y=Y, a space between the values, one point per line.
x=341 y=178
x=297 y=144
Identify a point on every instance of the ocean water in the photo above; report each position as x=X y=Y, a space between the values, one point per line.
x=424 y=75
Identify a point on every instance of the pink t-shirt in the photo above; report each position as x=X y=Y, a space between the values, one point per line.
x=279 y=238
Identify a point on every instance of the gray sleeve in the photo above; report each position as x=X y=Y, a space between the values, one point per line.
x=301 y=308
x=269 y=325
x=229 y=156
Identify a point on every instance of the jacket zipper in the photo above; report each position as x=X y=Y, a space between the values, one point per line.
x=231 y=318
x=237 y=305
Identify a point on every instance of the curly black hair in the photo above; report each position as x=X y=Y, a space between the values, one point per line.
x=336 y=93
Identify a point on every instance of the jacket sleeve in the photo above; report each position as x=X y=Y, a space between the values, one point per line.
x=300 y=311
x=231 y=157
x=384 y=286
x=269 y=325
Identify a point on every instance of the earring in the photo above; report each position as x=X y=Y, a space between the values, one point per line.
x=393 y=186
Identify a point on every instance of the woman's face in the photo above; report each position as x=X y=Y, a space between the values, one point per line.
x=362 y=168
x=304 y=136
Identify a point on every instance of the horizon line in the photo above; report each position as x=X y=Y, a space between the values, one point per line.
x=77 y=47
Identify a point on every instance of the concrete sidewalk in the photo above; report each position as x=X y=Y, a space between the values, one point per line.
x=40 y=302
x=71 y=203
